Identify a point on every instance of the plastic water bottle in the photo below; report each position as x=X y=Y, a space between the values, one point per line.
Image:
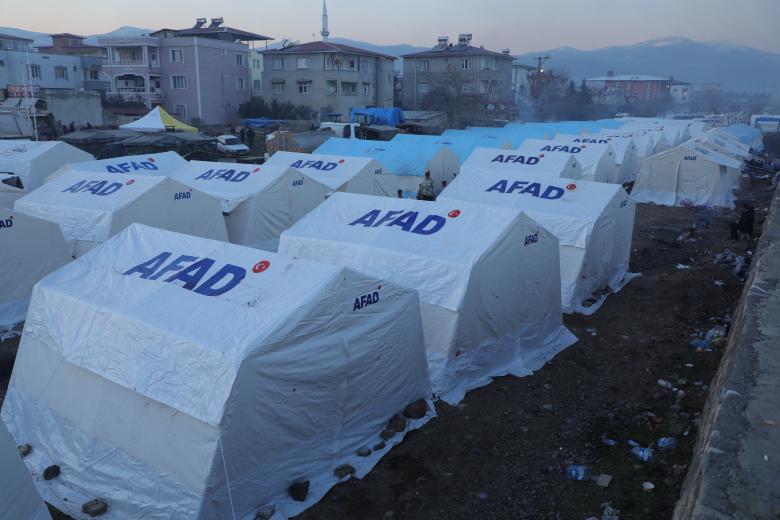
x=666 y=443
x=643 y=454
x=578 y=472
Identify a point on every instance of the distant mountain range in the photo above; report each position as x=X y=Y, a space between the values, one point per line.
x=735 y=67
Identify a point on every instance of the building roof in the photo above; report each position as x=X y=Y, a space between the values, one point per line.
x=17 y=38
x=678 y=82
x=67 y=35
x=456 y=50
x=312 y=47
x=238 y=34
x=628 y=77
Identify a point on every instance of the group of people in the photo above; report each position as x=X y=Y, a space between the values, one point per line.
x=427 y=189
x=246 y=134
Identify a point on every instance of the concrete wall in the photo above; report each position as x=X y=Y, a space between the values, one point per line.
x=79 y=106
x=736 y=466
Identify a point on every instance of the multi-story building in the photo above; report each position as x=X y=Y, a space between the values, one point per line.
x=92 y=57
x=257 y=73
x=200 y=74
x=618 y=89
x=462 y=69
x=328 y=77
x=680 y=91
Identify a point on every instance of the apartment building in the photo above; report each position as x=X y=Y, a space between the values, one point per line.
x=615 y=89
x=257 y=73
x=461 y=68
x=201 y=74
x=328 y=77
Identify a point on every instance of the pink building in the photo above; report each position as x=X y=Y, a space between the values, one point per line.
x=201 y=74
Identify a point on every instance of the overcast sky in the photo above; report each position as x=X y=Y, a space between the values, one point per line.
x=521 y=25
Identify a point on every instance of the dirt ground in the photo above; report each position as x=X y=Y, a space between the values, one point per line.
x=501 y=453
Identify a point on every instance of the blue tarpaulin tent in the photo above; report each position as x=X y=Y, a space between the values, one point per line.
x=462 y=145
x=263 y=122
x=747 y=135
x=377 y=116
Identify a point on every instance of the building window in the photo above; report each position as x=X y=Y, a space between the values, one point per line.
x=177 y=56
x=179 y=82
x=304 y=87
x=331 y=86
x=60 y=72
x=424 y=65
x=422 y=87
x=277 y=87
x=224 y=52
x=466 y=88
x=180 y=111
x=351 y=64
x=239 y=60
x=277 y=63
x=93 y=74
x=2 y=63
x=349 y=88
x=302 y=63
x=331 y=61
x=240 y=84
x=488 y=63
x=257 y=84
x=256 y=64
x=35 y=71
x=465 y=64
x=366 y=89
x=484 y=86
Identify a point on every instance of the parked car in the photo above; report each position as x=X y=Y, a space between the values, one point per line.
x=231 y=145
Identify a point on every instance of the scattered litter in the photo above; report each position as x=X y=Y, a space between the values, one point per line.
x=609 y=442
x=701 y=345
x=719 y=283
x=666 y=443
x=682 y=267
x=648 y=487
x=665 y=384
x=689 y=365
x=643 y=454
x=609 y=513
x=591 y=331
x=769 y=422
x=604 y=480
x=633 y=443
x=715 y=332
x=766 y=458
x=578 y=472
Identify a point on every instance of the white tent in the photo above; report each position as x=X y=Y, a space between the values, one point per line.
x=258 y=201
x=724 y=143
x=593 y=222
x=474 y=267
x=33 y=161
x=165 y=163
x=31 y=248
x=10 y=190
x=90 y=207
x=158 y=120
x=178 y=377
x=508 y=161
x=597 y=160
x=19 y=499
x=688 y=175
x=625 y=155
x=338 y=173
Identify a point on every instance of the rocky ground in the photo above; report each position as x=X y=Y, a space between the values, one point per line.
x=501 y=453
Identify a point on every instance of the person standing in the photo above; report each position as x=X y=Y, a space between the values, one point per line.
x=250 y=136
x=242 y=135
x=427 y=188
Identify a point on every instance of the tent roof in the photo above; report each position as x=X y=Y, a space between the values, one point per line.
x=461 y=144
x=723 y=142
x=157 y=120
x=151 y=164
x=507 y=161
x=33 y=161
x=437 y=264
x=400 y=158
x=712 y=155
x=569 y=210
x=332 y=171
x=193 y=324
x=231 y=182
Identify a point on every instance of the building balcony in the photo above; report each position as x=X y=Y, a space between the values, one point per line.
x=132 y=63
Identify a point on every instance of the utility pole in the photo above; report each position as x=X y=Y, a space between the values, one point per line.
x=540 y=60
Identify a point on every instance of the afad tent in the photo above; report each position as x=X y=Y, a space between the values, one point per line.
x=593 y=222
x=724 y=143
x=462 y=145
x=208 y=378
x=597 y=160
x=404 y=163
x=747 y=135
x=10 y=190
x=474 y=267
x=688 y=175
x=165 y=163
x=509 y=162
x=18 y=496
x=31 y=249
x=91 y=207
x=258 y=201
x=337 y=172
x=158 y=120
x=625 y=155
x=33 y=161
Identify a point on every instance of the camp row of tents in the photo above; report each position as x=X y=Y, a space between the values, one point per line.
x=161 y=370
